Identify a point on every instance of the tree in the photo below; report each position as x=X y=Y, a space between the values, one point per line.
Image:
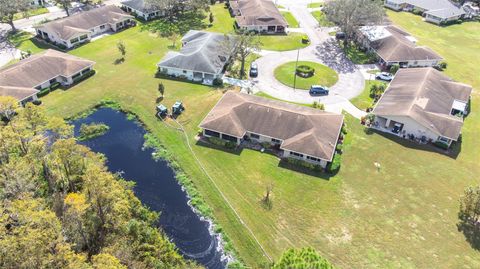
x=161 y=89
x=66 y=4
x=8 y=107
x=267 y=199
x=240 y=46
x=349 y=15
x=210 y=18
x=8 y=9
x=469 y=216
x=60 y=207
x=123 y=50
x=470 y=206
x=174 y=37
x=305 y=258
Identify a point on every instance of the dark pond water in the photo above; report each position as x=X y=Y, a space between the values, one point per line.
x=156 y=186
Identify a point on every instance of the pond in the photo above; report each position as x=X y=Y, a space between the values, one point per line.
x=156 y=186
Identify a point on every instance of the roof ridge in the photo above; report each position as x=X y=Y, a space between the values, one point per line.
x=420 y=87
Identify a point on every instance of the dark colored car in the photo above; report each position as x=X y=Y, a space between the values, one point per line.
x=253 y=70
x=318 y=90
x=340 y=35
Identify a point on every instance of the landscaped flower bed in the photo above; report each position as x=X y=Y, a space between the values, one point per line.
x=305 y=71
x=305 y=74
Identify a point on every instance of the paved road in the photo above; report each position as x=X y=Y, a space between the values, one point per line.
x=324 y=50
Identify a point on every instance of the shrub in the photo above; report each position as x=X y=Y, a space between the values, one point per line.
x=220 y=142
x=302 y=163
x=339 y=148
x=305 y=71
x=84 y=76
x=394 y=68
x=417 y=11
x=305 y=39
x=441 y=144
x=218 y=82
x=443 y=65
x=334 y=165
x=54 y=85
x=43 y=92
x=92 y=130
x=344 y=129
x=318 y=105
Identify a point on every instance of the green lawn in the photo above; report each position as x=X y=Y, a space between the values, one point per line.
x=315 y=5
x=322 y=19
x=292 y=22
x=222 y=21
x=23 y=41
x=292 y=41
x=358 y=56
x=323 y=75
x=363 y=101
x=402 y=216
x=31 y=13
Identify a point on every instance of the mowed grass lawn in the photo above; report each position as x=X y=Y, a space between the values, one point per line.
x=322 y=19
x=402 y=216
x=363 y=101
x=323 y=75
x=224 y=23
x=292 y=22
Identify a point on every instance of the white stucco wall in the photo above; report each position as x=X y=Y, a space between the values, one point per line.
x=410 y=126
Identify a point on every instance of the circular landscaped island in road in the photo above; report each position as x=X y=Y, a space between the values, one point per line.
x=308 y=74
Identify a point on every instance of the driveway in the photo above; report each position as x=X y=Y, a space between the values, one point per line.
x=323 y=49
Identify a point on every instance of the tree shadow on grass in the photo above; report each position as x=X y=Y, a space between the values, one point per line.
x=300 y=169
x=205 y=144
x=191 y=20
x=452 y=152
x=471 y=231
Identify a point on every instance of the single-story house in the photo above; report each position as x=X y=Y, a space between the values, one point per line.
x=142 y=8
x=261 y=16
x=202 y=58
x=82 y=27
x=435 y=11
x=395 y=46
x=23 y=80
x=298 y=132
x=423 y=104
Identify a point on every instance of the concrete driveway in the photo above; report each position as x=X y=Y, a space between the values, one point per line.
x=323 y=49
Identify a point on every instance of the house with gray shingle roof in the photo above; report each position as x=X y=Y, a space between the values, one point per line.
x=142 y=9
x=393 y=45
x=298 y=132
x=261 y=16
x=24 y=79
x=423 y=104
x=202 y=58
x=435 y=11
x=82 y=27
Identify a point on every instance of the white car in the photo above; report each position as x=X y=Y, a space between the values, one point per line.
x=384 y=76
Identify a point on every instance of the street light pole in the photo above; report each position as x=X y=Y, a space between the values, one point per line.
x=295 y=71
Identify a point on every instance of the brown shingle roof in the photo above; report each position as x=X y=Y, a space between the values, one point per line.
x=257 y=12
x=18 y=93
x=82 y=22
x=396 y=47
x=41 y=67
x=425 y=95
x=304 y=130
